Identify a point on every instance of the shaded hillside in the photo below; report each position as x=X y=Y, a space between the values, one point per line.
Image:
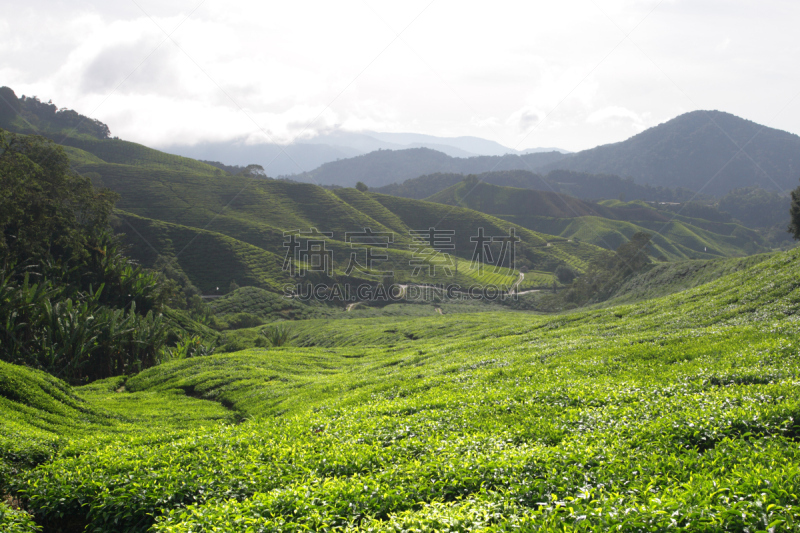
x=757 y=208
x=227 y=223
x=608 y=224
x=699 y=151
x=577 y=184
x=511 y=201
x=211 y=260
x=383 y=167
x=675 y=240
x=121 y=152
x=225 y=229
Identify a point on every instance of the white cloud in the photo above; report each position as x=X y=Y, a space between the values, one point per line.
x=523 y=74
x=614 y=113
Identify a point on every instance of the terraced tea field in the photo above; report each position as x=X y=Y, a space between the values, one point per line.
x=676 y=413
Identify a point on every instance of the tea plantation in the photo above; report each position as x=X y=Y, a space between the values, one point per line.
x=672 y=414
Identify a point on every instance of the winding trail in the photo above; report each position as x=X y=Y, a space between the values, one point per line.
x=517 y=283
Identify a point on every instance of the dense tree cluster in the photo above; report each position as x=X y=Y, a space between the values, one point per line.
x=250 y=171
x=755 y=207
x=31 y=115
x=71 y=303
x=794 y=213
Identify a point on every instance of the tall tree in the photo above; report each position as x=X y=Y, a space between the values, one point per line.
x=48 y=212
x=794 y=212
x=9 y=105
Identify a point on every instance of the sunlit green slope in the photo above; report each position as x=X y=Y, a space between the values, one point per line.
x=674 y=413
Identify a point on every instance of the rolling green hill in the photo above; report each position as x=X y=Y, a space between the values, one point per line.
x=577 y=184
x=608 y=224
x=669 y=413
x=510 y=201
x=254 y=214
x=669 y=278
x=211 y=260
x=116 y=151
x=220 y=229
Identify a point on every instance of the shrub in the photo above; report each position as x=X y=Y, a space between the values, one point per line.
x=16 y=521
x=277 y=335
x=565 y=274
x=242 y=320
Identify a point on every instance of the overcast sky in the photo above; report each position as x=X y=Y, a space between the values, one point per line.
x=572 y=74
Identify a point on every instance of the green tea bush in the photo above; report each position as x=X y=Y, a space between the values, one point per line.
x=679 y=413
x=16 y=521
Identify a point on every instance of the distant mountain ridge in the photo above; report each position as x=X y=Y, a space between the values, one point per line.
x=305 y=155
x=700 y=150
x=710 y=152
x=384 y=167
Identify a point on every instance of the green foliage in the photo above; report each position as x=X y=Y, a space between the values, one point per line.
x=70 y=302
x=47 y=212
x=188 y=346
x=253 y=171
x=666 y=414
x=564 y=274
x=246 y=235
x=16 y=521
x=9 y=106
x=30 y=115
x=610 y=223
x=119 y=152
x=361 y=186
x=277 y=335
x=662 y=279
x=676 y=413
x=794 y=213
x=608 y=272
x=240 y=320
x=755 y=207
x=75 y=337
x=577 y=184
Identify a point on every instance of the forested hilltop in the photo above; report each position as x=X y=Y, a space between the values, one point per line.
x=383 y=167
x=707 y=151
x=30 y=115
